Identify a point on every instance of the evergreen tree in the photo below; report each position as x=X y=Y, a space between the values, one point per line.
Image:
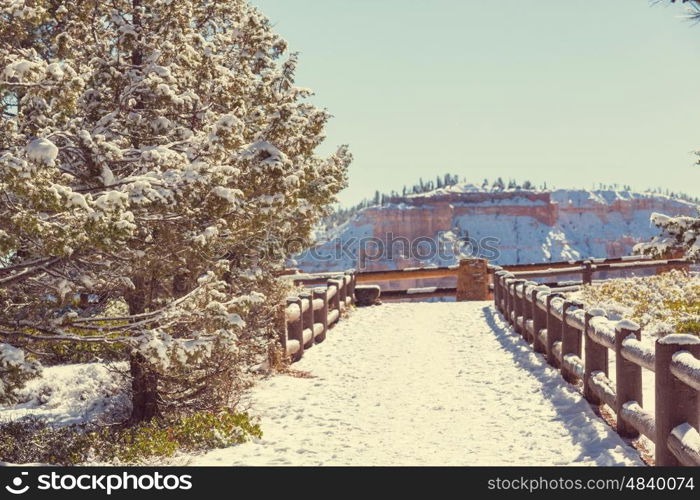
x=150 y=151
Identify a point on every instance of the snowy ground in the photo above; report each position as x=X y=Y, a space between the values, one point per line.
x=73 y=394
x=424 y=384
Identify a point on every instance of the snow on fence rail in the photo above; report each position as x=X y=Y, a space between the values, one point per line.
x=578 y=342
x=309 y=316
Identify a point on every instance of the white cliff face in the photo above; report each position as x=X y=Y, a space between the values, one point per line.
x=510 y=227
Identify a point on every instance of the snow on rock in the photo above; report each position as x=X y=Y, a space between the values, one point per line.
x=424 y=384
x=71 y=394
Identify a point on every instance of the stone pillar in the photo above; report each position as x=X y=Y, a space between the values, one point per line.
x=473 y=280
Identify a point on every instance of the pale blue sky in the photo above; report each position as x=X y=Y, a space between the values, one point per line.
x=572 y=93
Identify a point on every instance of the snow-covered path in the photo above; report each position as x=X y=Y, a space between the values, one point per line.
x=424 y=384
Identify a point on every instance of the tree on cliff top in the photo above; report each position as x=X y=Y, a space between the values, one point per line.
x=145 y=146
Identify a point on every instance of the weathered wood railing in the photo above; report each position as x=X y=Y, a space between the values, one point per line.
x=588 y=268
x=472 y=281
x=309 y=316
x=578 y=342
x=547 y=268
x=468 y=278
x=374 y=277
x=417 y=273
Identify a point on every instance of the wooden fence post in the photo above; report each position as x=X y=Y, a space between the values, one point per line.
x=525 y=311
x=676 y=402
x=587 y=274
x=342 y=292
x=504 y=294
x=334 y=302
x=321 y=315
x=507 y=284
x=553 y=330
x=518 y=306
x=308 y=316
x=628 y=377
x=295 y=329
x=497 y=289
x=529 y=312
x=351 y=285
x=539 y=322
x=595 y=360
x=570 y=340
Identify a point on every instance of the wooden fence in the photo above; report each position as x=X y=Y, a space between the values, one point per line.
x=578 y=343
x=465 y=276
x=587 y=269
x=309 y=316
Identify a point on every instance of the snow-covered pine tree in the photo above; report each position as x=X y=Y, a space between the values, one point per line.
x=148 y=149
x=678 y=234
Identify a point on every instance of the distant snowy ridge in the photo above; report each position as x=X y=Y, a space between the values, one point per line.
x=516 y=226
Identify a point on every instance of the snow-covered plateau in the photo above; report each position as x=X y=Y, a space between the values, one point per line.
x=507 y=227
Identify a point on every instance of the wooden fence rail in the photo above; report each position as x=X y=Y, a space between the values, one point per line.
x=584 y=268
x=310 y=315
x=578 y=342
x=587 y=269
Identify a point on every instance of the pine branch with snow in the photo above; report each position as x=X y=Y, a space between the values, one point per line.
x=677 y=234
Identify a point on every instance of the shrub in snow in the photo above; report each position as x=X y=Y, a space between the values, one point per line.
x=663 y=304
x=147 y=151
x=15 y=370
x=33 y=440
